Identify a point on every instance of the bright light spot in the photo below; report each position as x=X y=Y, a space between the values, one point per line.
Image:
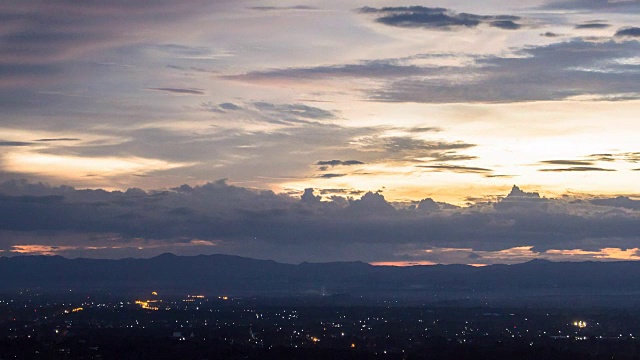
x=580 y=324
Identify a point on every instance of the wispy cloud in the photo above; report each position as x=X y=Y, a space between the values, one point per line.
x=339 y=162
x=559 y=74
x=179 y=91
x=456 y=168
x=330 y=176
x=577 y=169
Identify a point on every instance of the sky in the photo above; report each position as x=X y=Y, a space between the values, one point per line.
x=355 y=130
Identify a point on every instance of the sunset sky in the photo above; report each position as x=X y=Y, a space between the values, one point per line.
x=218 y=114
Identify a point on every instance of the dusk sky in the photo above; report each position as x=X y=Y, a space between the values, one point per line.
x=134 y=128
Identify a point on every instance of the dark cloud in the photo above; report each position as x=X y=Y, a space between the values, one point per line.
x=229 y=106
x=308 y=197
x=449 y=156
x=15 y=143
x=630 y=31
x=505 y=24
x=499 y=176
x=339 y=162
x=401 y=144
x=620 y=201
x=428 y=205
x=425 y=129
x=631 y=157
x=330 y=176
x=179 y=91
x=296 y=110
x=577 y=169
x=550 y=72
x=592 y=25
x=56 y=139
x=239 y=219
x=517 y=193
x=550 y=34
x=349 y=192
x=437 y=18
x=567 y=162
x=456 y=168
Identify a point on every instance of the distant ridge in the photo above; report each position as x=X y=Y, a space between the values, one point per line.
x=216 y=274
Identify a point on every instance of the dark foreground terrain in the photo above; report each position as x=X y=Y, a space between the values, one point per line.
x=196 y=326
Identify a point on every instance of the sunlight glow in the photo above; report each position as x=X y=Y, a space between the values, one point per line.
x=71 y=167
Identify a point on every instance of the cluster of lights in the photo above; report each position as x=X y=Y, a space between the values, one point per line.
x=145 y=305
x=580 y=324
x=73 y=310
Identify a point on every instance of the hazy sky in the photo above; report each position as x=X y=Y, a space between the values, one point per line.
x=455 y=101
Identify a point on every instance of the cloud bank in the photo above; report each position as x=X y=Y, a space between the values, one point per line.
x=226 y=218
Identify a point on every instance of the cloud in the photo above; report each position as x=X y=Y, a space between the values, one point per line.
x=408 y=144
x=295 y=110
x=240 y=220
x=550 y=72
x=330 y=176
x=592 y=25
x=333 y=163
x=620 y=201
x=557 y=71
x=294 y=114
x=57 y=139
x=229 y=106
x=600 y=5
x=631 y=157
x=372 y=69
x=341 y=191
x=456 y=168
x=437 y=18
x=421 y=129
x=577 y=169
x=185 y=52
x=410 y=149
x=591 y=163
x=283 y=8
x=43 y=40
x=179 y=91
x=567 y=162
x=630 y=31
x=15 y=143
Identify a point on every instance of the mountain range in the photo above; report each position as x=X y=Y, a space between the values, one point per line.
x=536 y=280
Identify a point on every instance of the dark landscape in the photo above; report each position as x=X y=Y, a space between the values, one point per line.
x=218 y=306
x=534 y=283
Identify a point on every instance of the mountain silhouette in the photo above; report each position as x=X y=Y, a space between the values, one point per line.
x=225 y=274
